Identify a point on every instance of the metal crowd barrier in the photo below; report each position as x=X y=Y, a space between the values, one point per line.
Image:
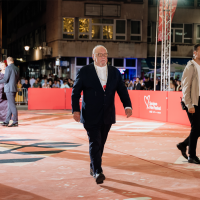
x=21 y=97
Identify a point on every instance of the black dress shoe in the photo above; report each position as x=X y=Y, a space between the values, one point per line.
x=182 y=149
x=100 y=178
x=13 y=125
x=91 y=172
x=194 y=160
x=4 y=124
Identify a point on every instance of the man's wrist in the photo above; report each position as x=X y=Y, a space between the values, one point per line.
x=128 y=108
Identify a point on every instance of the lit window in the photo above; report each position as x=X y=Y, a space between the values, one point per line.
x=68 y=28
x=84 y=28
x=96 y=32
x=108 y=32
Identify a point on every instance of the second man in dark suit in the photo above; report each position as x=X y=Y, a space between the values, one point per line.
x=10 y=88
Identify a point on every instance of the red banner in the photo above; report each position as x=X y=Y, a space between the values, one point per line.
x=162 y=13
x=153 y=105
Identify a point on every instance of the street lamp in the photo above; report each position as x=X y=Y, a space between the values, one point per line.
x=26 y=48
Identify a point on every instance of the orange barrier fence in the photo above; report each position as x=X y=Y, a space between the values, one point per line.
x=160 y=106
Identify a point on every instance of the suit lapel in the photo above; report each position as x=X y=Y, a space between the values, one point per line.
x=109 y=78
x=96 y=78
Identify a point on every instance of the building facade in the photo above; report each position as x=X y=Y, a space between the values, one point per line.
x=67 y=31
x=184 y=35
x=61 y=34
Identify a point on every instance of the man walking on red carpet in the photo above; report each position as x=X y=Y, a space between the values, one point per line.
x=99 y=83
x=191 y=97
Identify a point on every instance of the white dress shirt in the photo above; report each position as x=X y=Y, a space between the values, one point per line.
x=102 y=73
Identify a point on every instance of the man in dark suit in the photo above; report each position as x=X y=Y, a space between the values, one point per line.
x=10 y=88
x=137 y=85
x=99 y=84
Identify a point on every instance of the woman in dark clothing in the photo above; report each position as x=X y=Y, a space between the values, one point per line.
x=3 y=100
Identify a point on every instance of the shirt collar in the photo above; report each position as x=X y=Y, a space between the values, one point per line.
x=100 y=67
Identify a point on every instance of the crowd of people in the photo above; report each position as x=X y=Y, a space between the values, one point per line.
x=148 y=84
x=52 y=81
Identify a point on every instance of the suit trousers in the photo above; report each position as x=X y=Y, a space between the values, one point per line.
x=97 y=135
x=12 y=110
x=191 y=141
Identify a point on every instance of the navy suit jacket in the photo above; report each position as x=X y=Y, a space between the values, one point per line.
x=10 y=78
x=97 y=104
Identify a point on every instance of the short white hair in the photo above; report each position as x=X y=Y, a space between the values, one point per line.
x=93 y=51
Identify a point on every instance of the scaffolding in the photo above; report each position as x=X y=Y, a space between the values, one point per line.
x=166 y=12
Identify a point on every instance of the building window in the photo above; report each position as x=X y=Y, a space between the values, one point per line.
x=198 y=34
x=150 y=2
x=81 y=61
x=185 y=3
x=120 y=32
x=68 y=28
x=130 y=62
x=118 y=62
x=149 y=32
x=102 y=29
x=188 y=33
x=84 y=28
x=181 y=33
x=102 y=10
x=136 y=30
x=198 y=3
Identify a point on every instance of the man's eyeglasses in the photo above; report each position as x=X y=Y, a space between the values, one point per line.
x=102 y=54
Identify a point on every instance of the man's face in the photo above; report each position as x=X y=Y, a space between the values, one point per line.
x=26 y=81
x=197 y=53
x=137 y=80
x=36 y=81
x=45 y=80
x=100 y=57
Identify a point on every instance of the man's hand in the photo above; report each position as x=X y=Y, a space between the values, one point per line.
x=191 y=110
x=77 y=116
x=128 y=112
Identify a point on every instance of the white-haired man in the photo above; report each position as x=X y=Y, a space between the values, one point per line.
x=10 y=81
x=99 y=84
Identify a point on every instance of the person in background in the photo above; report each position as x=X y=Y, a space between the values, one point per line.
x=55 y=85
x=157 y=85
x=22 y=80
x=10 y=79
x=58 y=83
x=50 y=85
x=178 y=88
x=147 y=84
x=191 y=97
x=130 y=85
x=36 y=84
x=42 y=80
x=25 y=86
x=32 y=80
x=19 y=94
x=142 y=84
x=172 y=86
x=65 y=85
x=3 y=99
x=45 y=84
x=137 y=85
x=61 y=80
